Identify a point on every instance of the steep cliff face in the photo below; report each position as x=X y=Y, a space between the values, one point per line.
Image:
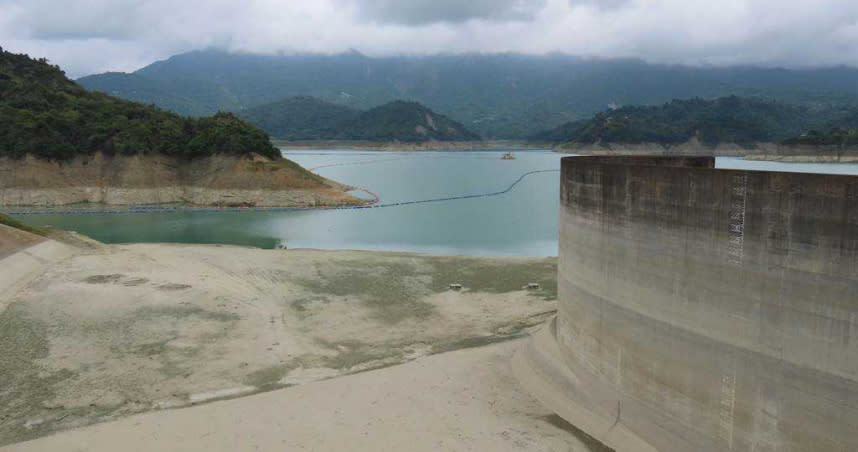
x=219 y=179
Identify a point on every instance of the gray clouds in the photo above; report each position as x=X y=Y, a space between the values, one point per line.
x=86 y=36
x=417 y=12
x=93 y=19
x=601 y=4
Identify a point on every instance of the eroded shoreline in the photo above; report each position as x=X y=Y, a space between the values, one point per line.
x=135 y=180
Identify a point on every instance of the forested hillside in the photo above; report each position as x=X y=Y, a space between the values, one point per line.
x=305 y=118
x=300 y=118
x=497 y=96
x=731 y=119
x=836 y=137
x=45 y=114
x=404 y=121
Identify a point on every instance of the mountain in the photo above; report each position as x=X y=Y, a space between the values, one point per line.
x=495 y=95
x=48 y=115
x=305 y=118
x=404 y=121
x=732 y=119
x=300 y=118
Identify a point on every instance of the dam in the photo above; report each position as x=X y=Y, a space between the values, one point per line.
x=702 y=309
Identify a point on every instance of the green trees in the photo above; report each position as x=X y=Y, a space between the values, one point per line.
x=225 y=133
x=744 y=121
x=300 y=118
x=404 y=121
x=45 y=114
x=835 y=137
x=306 y=118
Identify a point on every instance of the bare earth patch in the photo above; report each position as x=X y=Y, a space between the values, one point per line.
x=119 y=330
x=465 y=400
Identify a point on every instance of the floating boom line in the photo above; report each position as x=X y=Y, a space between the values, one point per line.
x=373 y=205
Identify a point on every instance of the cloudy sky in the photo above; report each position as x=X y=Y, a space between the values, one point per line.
x=89 y=36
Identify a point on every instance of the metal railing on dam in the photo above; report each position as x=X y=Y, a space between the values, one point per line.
x=702 y=309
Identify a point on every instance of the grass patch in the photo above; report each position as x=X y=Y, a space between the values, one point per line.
x=152 y=348
x=494 y=277
x=103 y=279
x=267 y=377
x=301 y=304
x=26 y=387
x=390 y=290
x=395 y=290
x=135 y=282
x=182 y=311
x=471 y=342
x=173 y=286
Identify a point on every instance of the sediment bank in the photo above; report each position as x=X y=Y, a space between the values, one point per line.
x=159 y=179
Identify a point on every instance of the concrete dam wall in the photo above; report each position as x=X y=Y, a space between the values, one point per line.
x=703 y=309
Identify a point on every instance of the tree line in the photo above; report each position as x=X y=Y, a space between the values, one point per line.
x=47 y=115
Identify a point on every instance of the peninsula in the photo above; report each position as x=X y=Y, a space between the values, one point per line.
x=61 y=144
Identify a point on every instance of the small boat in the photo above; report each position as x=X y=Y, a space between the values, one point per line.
x=508 y=156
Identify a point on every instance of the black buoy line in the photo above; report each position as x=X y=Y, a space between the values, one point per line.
x=376 y=205
x=393 y=159
x=363 y=162
x=454 y=198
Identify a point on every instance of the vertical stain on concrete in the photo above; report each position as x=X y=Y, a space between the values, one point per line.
x=738 y=203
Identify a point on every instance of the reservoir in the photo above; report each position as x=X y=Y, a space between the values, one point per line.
x=519 y=222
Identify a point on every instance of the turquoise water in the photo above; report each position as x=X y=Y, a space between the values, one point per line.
x=761 y=165
x=521 y=222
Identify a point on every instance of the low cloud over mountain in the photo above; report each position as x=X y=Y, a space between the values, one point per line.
x=87 y=36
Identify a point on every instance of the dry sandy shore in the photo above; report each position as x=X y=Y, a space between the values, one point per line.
x=456 y=401
x=106 y=332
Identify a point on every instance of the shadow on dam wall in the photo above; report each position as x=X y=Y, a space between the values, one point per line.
x=702 y=309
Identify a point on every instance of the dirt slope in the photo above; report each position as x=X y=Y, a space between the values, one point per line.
x=13 y=240
x=156 y=178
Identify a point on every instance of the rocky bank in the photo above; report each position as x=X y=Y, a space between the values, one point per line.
x=219 y=179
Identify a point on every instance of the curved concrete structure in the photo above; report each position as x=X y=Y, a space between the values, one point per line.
x=703 y=309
